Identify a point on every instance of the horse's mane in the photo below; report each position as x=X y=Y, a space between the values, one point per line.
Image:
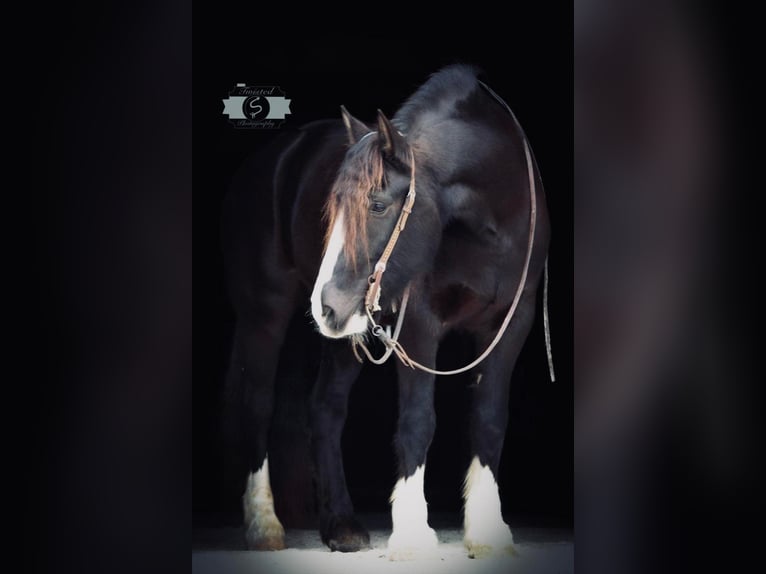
x=363 y=169
x=437 y=96
x=362 y=174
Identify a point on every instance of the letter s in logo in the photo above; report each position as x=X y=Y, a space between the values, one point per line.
x=255 y=107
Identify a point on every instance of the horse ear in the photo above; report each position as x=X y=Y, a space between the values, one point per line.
x=392 y=140
x=355 y=129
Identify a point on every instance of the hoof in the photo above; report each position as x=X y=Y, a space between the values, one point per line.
x=344 y=534
x=492 y=541
x=265 y=535
x=412 y=544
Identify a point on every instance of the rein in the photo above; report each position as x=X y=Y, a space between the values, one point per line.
x=372 y=299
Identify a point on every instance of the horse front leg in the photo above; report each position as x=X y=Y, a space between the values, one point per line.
x=412 y=536
x=338 y=527
x=485 y=531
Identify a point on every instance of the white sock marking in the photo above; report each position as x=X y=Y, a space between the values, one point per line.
x=358 y=322
x=264 y=528
x=485 y=531
x=411 y=536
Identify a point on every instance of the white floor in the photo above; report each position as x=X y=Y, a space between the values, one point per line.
x=538 y=551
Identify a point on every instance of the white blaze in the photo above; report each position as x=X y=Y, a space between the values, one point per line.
x=485 y=530
x=358 y=321
x=411 y=536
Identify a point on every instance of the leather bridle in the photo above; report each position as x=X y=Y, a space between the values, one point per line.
x=372 y=299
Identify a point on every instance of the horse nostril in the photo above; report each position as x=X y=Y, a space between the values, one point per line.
x=327 y=312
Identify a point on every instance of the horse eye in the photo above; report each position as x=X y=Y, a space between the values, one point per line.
x=378 y=207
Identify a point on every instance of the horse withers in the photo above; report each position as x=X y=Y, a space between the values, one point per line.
x=305 y=224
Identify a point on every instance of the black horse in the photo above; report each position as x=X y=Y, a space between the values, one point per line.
x=462 y=254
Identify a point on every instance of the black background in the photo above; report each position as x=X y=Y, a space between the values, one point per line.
x=106 y=404
x=529 y=64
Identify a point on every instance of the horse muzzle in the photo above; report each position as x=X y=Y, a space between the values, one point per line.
x=337 y=314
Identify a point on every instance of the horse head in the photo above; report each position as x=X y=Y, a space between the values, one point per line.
x=362 y=212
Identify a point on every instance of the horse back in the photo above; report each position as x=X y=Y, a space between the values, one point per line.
x=271 y=215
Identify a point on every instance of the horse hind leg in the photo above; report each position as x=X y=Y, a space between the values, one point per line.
x=254 y=363
x=264 y=530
